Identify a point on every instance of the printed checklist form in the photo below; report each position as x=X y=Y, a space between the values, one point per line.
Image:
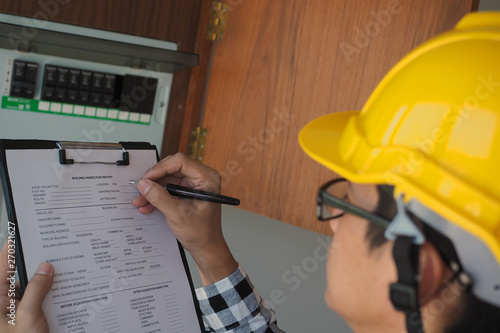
x=116 y=270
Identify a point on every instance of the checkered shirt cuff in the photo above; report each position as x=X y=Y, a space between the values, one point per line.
x=233 y=305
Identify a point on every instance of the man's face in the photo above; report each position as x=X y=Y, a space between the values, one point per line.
x=358 y=278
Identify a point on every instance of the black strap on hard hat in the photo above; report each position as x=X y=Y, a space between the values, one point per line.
x=404 y=293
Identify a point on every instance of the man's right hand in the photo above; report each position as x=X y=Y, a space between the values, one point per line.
x=196 y=224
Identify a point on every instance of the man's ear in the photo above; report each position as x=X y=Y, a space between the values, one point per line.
x=432 y=273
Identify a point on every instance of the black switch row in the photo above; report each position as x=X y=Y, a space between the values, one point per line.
x=76 y=86
x=23 y=79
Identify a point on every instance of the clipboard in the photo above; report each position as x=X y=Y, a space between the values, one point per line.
x=116 y=270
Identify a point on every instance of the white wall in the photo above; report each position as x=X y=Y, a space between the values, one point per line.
x=489 y=5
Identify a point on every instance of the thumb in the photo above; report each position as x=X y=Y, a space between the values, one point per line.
x=37 y=289
x=155 y=195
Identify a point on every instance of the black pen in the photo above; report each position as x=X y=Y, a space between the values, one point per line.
x=191 y=193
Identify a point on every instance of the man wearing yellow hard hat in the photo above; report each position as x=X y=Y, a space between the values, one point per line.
x=415 y=210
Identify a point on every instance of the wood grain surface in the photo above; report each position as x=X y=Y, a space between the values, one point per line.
x=285 y=62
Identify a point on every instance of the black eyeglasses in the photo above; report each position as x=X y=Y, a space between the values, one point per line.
x=333 y=203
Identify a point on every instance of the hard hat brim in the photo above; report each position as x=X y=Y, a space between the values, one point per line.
x=320 y=140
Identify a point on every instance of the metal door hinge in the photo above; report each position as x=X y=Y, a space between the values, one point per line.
x=217 y=21
x=197 y=143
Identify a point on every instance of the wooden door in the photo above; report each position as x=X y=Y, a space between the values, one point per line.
x=283 y=63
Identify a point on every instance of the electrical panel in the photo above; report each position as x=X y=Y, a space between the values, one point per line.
x=66 y=82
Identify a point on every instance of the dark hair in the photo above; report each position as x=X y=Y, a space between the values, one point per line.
x=474 y=315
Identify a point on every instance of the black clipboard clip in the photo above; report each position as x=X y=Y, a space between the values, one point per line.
x=63 y=145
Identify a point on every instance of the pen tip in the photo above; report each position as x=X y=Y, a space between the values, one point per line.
x=132 y=182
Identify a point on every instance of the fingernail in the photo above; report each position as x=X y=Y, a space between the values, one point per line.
x=44 y=269
x=144 y=185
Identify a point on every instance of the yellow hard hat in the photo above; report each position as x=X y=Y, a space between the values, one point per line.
x=431 y=128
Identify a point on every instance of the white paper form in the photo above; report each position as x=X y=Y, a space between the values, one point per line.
x=116 y=270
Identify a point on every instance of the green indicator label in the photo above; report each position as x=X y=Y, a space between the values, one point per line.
x=64 y=109
x=16 y=103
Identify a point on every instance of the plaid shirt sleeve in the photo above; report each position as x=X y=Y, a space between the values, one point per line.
x=233 y=305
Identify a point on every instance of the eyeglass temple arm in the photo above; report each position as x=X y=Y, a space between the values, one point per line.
x=336 y=202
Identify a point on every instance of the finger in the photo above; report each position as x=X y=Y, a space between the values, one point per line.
x=36 y=290
x=139 y=201
x=18 y=290
x=157 y=197
x=3 y=261
x=176 y=179
x=5 y=282
x=142 y=204
x=149 y=208
x=180 y=165
x=4 y=258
